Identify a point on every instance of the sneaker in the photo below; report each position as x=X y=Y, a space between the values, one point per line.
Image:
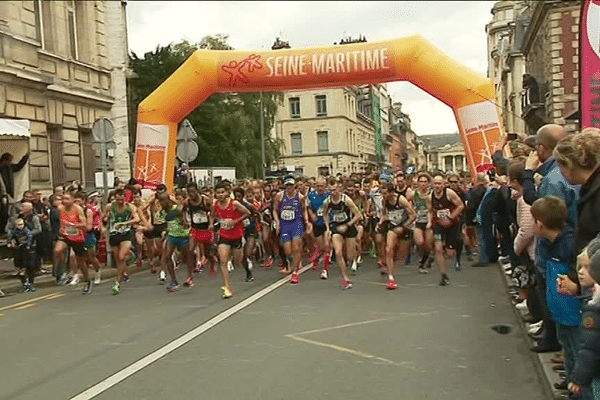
x=392 y=285
x=359 y=259
x=269 y=262
x=429 y=262
x=294 y=278
x=75 y=280
x=88 y=287
x=31 y=289
x=249 y=277
x=189 y=282
x=24 y=288
x=346 y=285
x=445 y=281
x=229 y=266
x=173 y=286
x=153 y=269
x=354 y=267
x=2 y=293
x=125 y=278
x=504 y=260
x=226 y=292
x=116 y=288
x=162 y=277
x=250 y=265
x=324 y=274
x=422 y=269
x=522 y=305
x=98 y=277
x=457 y=266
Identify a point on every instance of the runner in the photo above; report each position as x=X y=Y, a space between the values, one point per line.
x=290 y=220
x=455 y=184
x=91 y=239
x=315 y=211
x=341 y=230
x=396 y=217
x=178 y=237
x=377 y=202
x=360 y=200
x=156 y=237
x=250 y=228
x=423 y=236
x=120 y=218
x=445 y=208
x=141 y=227
x=266 y=212
x=405 y=190
x=200 y=214
x=231 y=216
x=73 y=223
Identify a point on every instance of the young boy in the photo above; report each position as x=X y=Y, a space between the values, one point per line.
x=20 y=239
x=586 y=373
x=558 y=242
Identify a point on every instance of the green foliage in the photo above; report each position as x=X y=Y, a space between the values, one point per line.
x=228 y=124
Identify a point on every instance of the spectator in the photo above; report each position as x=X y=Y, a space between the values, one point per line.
x=32 y=222
x=7 y=170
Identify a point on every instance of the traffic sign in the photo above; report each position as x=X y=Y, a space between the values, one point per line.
x=186 y=131
x=103 y=130
x=187 y=150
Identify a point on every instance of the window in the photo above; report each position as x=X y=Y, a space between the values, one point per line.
x=43 y=23
x=323 y=171
x=321 y=105
x=88 y=157
x=296 y=143
x=72 y=24
x=295 y=107
x=323 y=142
x=56 y=152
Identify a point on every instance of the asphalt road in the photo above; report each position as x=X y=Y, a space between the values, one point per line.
x=305 y=341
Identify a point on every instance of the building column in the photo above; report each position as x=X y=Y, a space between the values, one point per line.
x=453 y=163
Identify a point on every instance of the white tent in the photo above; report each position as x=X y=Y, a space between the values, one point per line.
x=14 y=139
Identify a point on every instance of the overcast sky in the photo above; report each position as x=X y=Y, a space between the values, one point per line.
x=457 y=28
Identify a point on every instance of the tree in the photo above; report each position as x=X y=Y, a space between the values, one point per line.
x=228 y=124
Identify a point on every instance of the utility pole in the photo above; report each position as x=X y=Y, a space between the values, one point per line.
x=262 y=136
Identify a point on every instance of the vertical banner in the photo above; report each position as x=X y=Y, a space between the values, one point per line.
x=589 y=64
x=480 y=130
x=151 y=154
x=377 y=122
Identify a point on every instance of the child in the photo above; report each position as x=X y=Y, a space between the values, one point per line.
x=557 y=240
x=20 y=239
x=587 y=361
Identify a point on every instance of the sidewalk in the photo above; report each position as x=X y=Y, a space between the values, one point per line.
x=10 y=283
x=541 y=361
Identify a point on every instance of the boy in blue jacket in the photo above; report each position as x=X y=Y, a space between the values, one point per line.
x=558 y=243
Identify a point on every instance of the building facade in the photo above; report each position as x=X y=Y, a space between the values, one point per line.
x=335 y=130
x=63 y=65
x=445 y=152
x=538 y=40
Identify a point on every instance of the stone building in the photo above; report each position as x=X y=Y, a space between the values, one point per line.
x=335 y=130
x=506 y=62
x=445 y=152
x=63 y=64
x=545 y=34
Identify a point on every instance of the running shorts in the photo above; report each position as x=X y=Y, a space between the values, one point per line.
x=233 y=243
x=77 y=247
x=448 y=236
x=202 y=236
x=116 y=239
x=178 y=243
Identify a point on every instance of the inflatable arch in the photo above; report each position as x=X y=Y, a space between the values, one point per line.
x=413 y=59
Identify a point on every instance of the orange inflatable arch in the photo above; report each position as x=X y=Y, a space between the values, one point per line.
x=471 y=96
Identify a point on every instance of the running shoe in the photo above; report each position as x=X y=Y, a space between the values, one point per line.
x=392 y=285
x=445 y=281
x=359 y=259
x=429 y=262
x=88 y=287
x=457 y=266
x=116 y=288
x=213 y=268
x=354 y=267
x=162 y=277
x=24 y=288
x=249 y=277
x=189 y=282
x=346 y=285
x=125 y=278
x=269 y=262
x=173 y=286
x=74 y=280
x=198 y=268
x=153 y=269
x=324 y=274
x=422 y=269
x=98 y=277
x=229 y=266
x=226 y=292
x=294 y=278
x=31 y=289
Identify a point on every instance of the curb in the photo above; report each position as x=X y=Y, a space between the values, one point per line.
x=542 y=363
x=42 y=281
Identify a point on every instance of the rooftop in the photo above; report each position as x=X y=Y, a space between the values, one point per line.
x=441 y=140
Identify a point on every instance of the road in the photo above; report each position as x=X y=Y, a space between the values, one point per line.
x=273 y=340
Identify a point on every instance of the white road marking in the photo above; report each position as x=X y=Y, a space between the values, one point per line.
x=177 y=343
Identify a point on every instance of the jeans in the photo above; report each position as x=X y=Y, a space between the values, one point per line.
x=488 y=251
x=568 y=337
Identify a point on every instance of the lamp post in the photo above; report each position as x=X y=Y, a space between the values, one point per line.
x=262 y=136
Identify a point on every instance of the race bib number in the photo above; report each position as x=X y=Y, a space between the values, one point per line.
x=171 y=225
x=71 y=230
x=288 y=215
x=339 y=217
x=320 y=212
x=246 y=222
x=422 y=216
x=395 y=216
x=227 y=224
x=443 y=214
x=199 y=218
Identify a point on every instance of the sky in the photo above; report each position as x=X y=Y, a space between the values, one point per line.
x=457 y=28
